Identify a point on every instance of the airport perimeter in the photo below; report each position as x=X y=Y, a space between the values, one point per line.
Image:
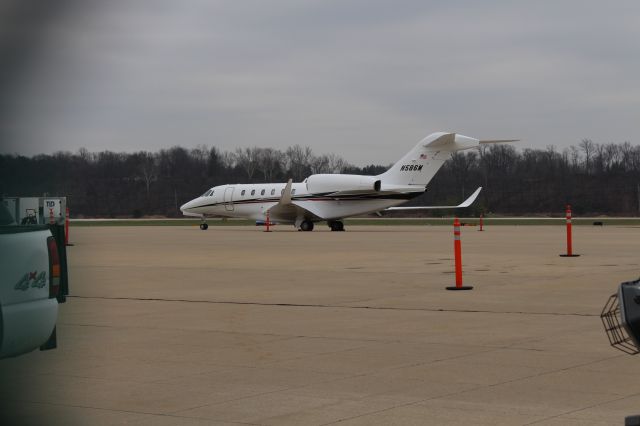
x=173 y=325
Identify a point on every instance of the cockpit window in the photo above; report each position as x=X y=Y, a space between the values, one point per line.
x=206 y=194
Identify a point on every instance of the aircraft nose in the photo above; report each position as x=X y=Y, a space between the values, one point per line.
x=186 y=206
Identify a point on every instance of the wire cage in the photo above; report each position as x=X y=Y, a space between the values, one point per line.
x=616 y=332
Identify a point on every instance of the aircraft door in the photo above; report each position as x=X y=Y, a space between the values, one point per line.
x=228 y=198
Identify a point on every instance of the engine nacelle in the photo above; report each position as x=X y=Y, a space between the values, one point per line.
x=325 y=183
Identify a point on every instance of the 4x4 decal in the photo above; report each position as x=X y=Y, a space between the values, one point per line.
x=31 y=279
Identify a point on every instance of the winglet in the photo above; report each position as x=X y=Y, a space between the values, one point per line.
x=285 y=199
x=471 y=199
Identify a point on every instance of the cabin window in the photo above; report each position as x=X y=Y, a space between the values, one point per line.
x=253 y=192
x=293 y=191
x=243 y=191
x=273 y=191
x=262 y=192
x=281 y=191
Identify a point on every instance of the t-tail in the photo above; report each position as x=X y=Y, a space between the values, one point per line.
x=418 y=166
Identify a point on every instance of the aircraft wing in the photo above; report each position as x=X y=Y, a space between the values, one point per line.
x=465 y=203
x=317 y=210
x=283 y=209
x=287 y=210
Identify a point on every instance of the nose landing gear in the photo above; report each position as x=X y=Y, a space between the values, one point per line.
x=204 y=226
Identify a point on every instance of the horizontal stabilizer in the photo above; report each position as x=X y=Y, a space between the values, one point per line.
x=442 y=140
x=488 y=141
x=465 y=203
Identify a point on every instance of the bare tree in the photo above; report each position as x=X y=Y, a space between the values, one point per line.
x=319 y=164
x=200 y=153
x=461 y=164
x=575 y=157
x=634 y=165
x=215 y=164
x=588 y=148
x=269 y=162
x=298 y=159
x=626 y=154
x=85 y=155
x=149 y=169
x=228 y=160
x=247 y=159
x=336 y=163
x=612 y=154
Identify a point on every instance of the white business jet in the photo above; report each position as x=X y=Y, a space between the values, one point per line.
x=333 y=197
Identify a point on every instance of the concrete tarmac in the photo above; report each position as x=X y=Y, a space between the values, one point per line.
x=178 y=326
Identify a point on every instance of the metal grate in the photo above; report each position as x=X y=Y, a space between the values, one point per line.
x=616 y=332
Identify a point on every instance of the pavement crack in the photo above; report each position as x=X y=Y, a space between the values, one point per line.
x=488 y=386
x=338 y=306
x=583 y=408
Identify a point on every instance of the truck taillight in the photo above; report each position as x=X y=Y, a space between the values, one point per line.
x=54 y=267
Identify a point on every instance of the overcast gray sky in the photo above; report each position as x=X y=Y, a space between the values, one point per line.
x=362 y=78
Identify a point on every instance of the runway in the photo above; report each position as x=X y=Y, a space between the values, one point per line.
x=173 y=325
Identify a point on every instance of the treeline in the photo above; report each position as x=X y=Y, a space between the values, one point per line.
x=110 y=184
x=594 y=178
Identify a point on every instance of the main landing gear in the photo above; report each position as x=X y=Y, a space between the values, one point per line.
x=306 y=225
x=336 y=225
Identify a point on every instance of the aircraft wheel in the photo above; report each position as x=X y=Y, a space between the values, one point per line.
x=204 y=226
x=306 y=225
x=336 y=225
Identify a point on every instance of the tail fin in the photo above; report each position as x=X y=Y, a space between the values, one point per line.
x=421 y=163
